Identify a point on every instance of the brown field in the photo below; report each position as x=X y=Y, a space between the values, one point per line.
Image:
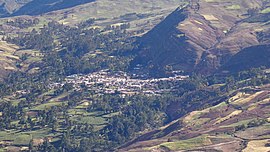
x=214 y=128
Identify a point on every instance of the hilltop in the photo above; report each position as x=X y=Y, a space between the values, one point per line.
x=204 y=35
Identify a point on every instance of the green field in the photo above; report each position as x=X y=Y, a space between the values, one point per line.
x=187 y=144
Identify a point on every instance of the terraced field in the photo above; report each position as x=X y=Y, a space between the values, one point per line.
x=7 y=58
x=11 y=59
x=240 y=123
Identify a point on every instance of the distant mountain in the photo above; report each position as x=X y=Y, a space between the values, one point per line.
x=7 y=7
x=35 y=7
x=3 y=10
x=204 y=35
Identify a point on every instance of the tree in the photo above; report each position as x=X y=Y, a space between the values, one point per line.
x=252 y=11
x=85 y=145
x=65 y=142
x=47 y=147
x=31 y=145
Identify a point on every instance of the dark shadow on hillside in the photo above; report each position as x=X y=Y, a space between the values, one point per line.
x=38 y=7
x=252 y=57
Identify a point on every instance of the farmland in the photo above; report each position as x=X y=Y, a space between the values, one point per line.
x=220 y=127
x=144 y=75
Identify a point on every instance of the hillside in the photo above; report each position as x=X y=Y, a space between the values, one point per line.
x=35 y=7
x=8 y=58
x=240 y=123
x=251 y=57
x=7 y=7
x=200 y=37
x=134 y=75
x=13 y=58
x=140 y=15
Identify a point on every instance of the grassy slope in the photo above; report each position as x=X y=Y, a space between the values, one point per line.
x=7 y=58
x=10 y=57
x=111 y=9
x=214 y=128
x=142 y=14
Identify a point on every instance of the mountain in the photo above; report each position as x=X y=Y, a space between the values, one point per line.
x=134 y=75
x=10 y=6
x=142 y=15
x=240 y=123
x=203 y=35
x=36 y=7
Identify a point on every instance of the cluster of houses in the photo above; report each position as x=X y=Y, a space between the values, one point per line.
x=105 y=82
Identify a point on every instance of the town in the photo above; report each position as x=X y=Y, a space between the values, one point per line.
x=106 y=82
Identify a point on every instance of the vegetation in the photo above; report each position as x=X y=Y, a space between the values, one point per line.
x=41 y=116
x=23 y=23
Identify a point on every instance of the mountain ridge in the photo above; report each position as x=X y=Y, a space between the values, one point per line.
x=211 y=37
x=121 y=76
x=36 y=7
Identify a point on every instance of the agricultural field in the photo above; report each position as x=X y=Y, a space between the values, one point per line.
x=136 y=75
x=142 y=15
x=20 y=137
x=243 y=118
x=12 y=58
x=8 y=58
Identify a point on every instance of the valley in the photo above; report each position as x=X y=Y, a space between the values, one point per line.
x=137 y=76
x=105 y=82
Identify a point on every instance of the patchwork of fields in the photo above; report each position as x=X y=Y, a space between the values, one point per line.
x=240 y=123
